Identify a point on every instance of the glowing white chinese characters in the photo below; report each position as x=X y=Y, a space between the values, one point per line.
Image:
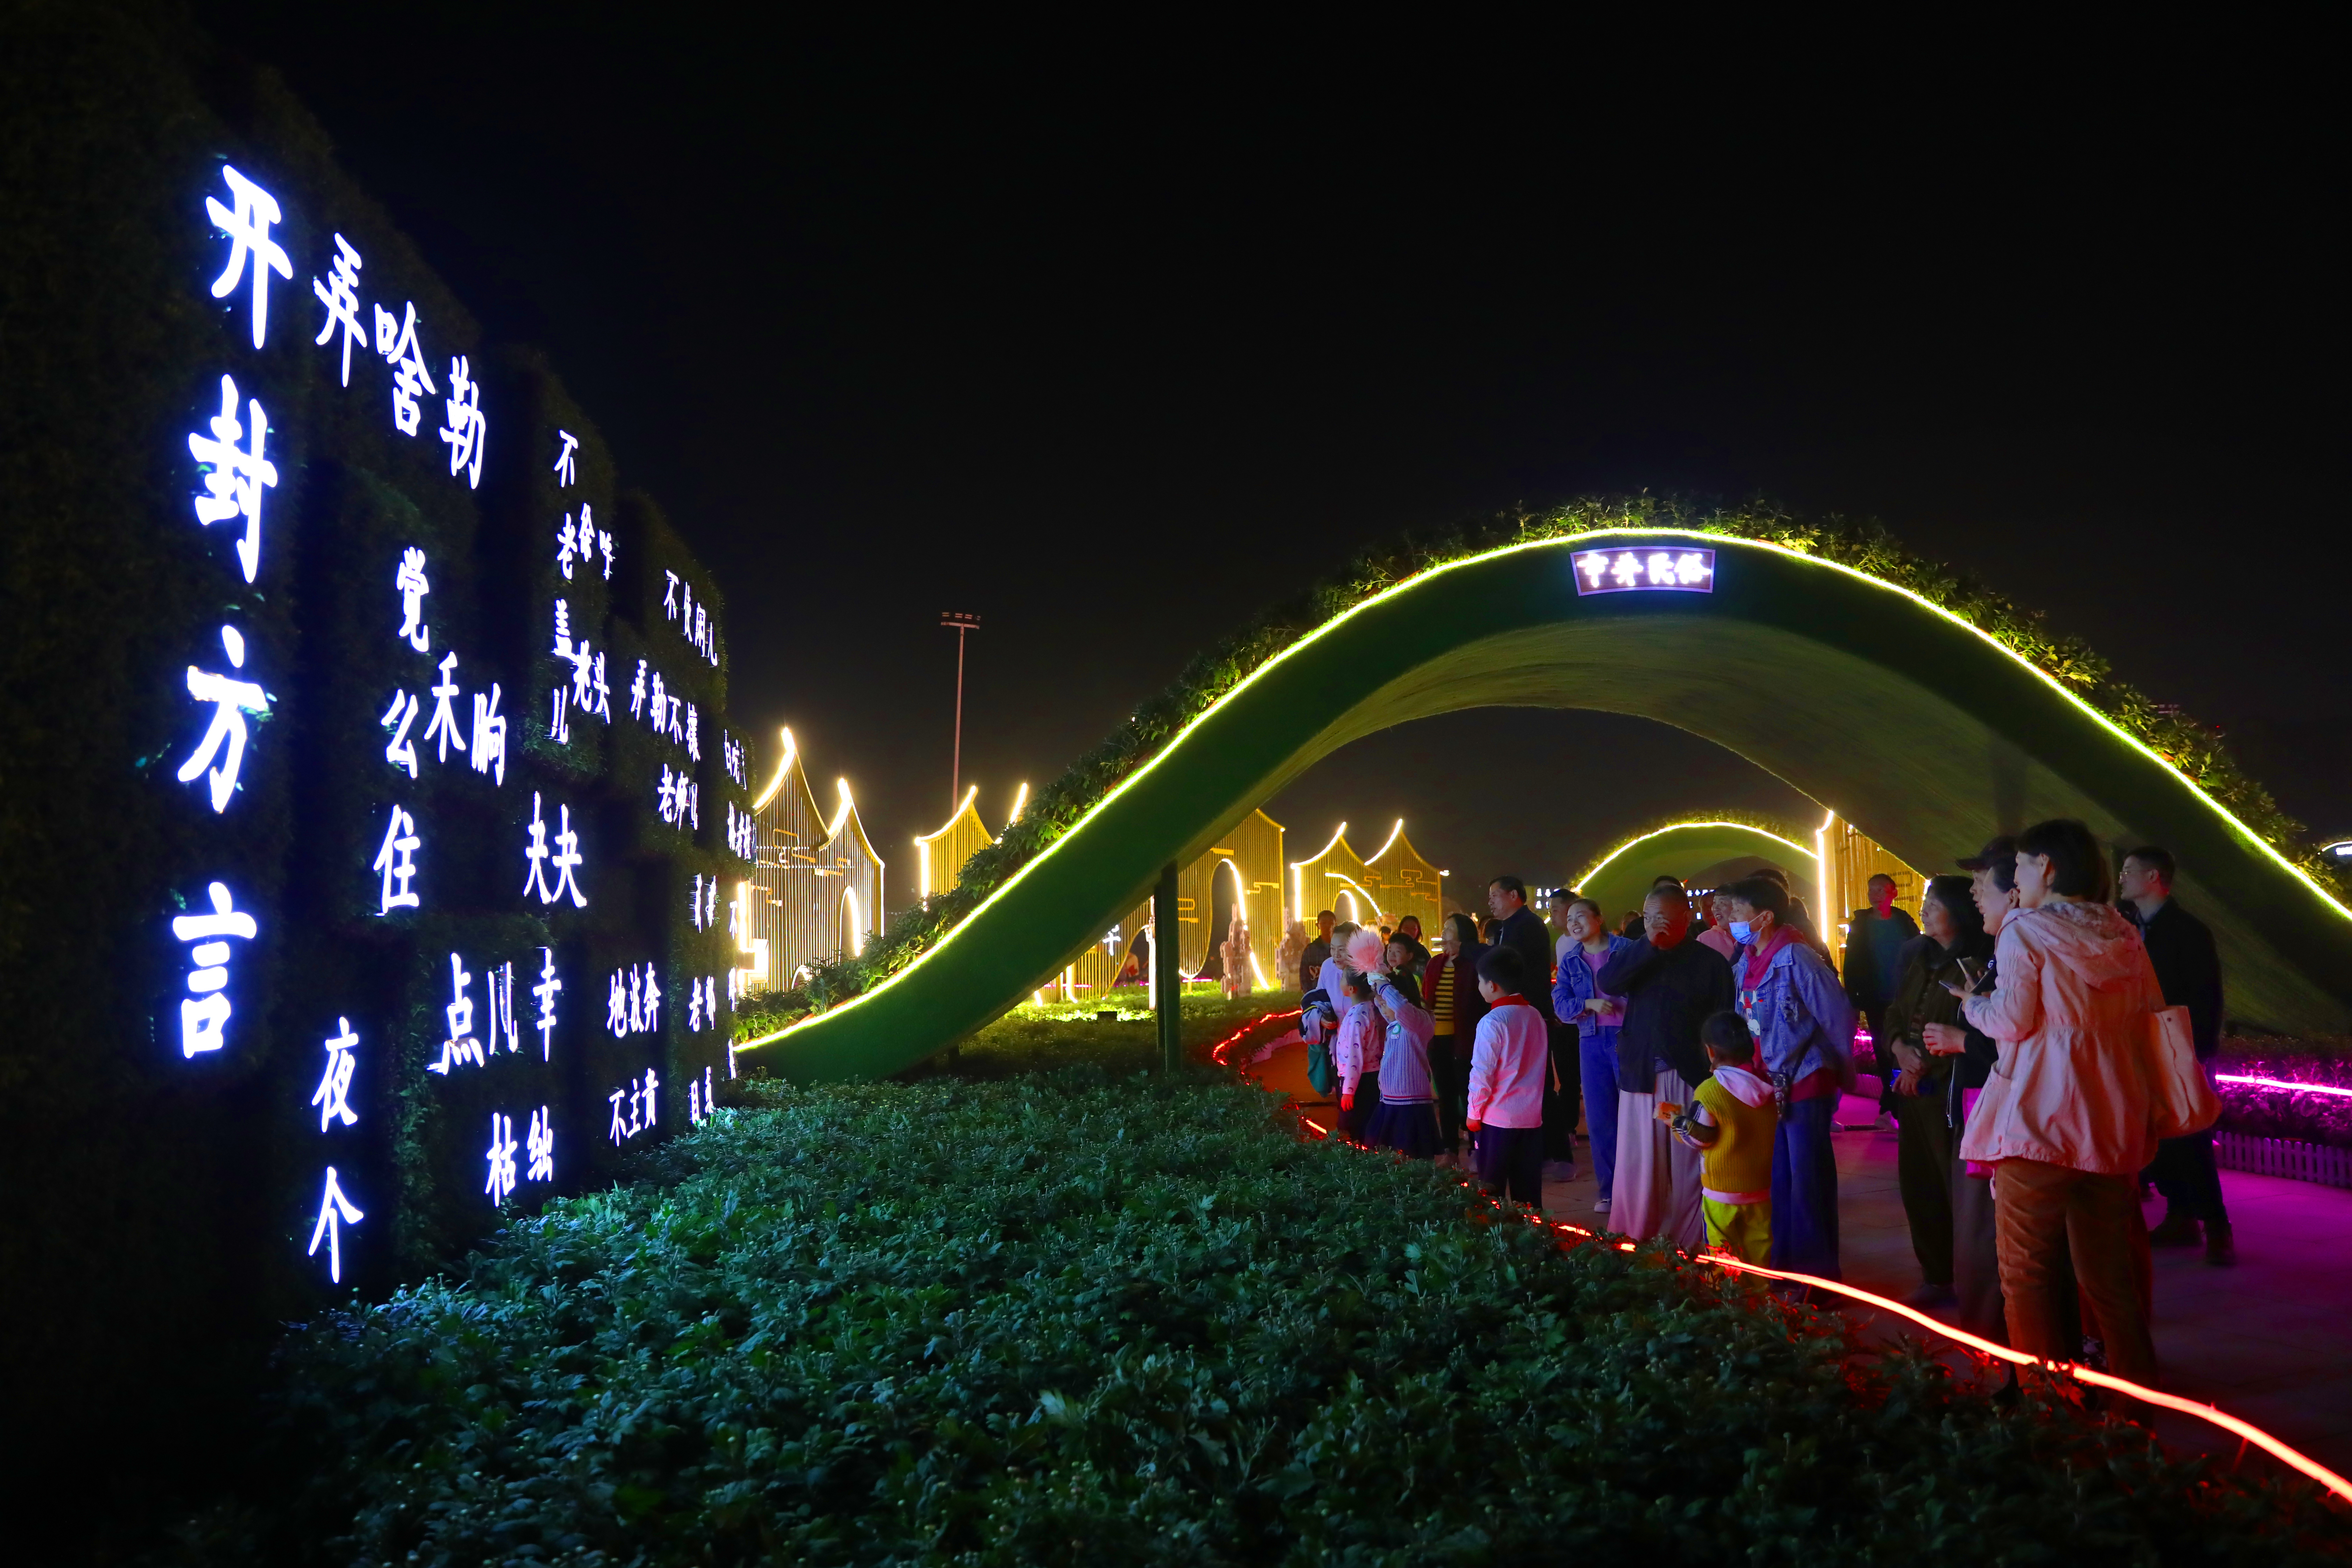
x=642 y=1112
x=489 y=735
x=342 y=299
x=565 y=470
x=413 y=586
x=204 y=1013
x=235 y=476
x=677 y=800
x=247 y=226
x=633 y=1002
x=334 y=1096
x=444 y=719
x=743 y=833
x=232 y=700
x=466 y=432
x=546 y=991
x=1622 y=571
x=541 y=1146
x=402 y=750
x=335 y=1211
x=397 y=860
x=501 y=1185
x=694 y=623
x=700 y=1102
x=703 y=1003
x=564 y=862
x=396 y=341
x=461 y=1046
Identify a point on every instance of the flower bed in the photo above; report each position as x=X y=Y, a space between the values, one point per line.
x=1069 y=1317
x=2310 y=1116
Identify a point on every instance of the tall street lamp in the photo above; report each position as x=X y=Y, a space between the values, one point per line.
x=962 y=621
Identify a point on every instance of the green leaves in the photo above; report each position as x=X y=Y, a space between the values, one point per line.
x=1058 y=1319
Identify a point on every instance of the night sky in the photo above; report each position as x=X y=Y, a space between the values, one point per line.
x=1114 y=342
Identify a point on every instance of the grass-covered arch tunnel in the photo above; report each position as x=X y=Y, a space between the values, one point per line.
x=1923 y=730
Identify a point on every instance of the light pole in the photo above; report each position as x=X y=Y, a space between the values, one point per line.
x=962 y=621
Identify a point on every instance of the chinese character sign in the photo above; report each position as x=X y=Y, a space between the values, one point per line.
x=1638 y=568
x=342 y=749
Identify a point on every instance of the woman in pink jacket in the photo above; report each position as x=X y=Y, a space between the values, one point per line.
x=2066 y=1119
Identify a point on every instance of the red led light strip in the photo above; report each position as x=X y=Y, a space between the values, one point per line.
x=2245 y=1431
x=1217 y=1052
x=2288 y=1084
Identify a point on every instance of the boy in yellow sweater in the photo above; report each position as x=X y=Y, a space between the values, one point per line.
x=1731 y=1119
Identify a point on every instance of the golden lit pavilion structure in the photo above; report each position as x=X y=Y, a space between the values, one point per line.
x=817 y=885
x=941 y=854
x=1242 y=872
x=1246 y=869
x=1381 y=888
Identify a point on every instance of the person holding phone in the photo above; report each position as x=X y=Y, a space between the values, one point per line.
x=1924 y=1085
x=2066 y=1119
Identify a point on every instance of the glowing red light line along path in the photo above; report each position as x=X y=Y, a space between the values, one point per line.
x=2288 y=1084
x=2292 y=1457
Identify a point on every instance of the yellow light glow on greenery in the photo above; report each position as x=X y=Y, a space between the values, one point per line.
x=1563 y=542
x=1600 y=864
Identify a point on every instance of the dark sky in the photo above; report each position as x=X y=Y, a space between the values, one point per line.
x=1114 y=342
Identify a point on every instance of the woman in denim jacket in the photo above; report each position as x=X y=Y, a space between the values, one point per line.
x=1803 y=1021
x=1576 y=994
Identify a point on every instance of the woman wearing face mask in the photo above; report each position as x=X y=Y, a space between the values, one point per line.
x=2065 y=1121
x=1576 y=994
x=1926 y=1086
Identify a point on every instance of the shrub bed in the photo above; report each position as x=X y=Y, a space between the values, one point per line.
x=1067 y=1318
x=2310 y=1117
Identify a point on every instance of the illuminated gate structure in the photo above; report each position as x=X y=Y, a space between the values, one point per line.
x=1833 y=876
x=1395 y=881
x=1246 y=868
x=816 y=887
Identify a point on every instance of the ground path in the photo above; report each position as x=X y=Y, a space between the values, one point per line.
x=2266 y=1340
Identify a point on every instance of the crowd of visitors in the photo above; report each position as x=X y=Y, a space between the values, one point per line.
x=2008 y=1030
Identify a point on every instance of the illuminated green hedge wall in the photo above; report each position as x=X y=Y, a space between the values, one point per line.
x=157 y=1204
x=1865 y=546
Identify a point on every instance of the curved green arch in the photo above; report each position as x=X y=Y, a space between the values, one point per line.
x=1924 y=731
x=1621 y=878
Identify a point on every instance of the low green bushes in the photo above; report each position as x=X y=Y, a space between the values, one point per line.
x=1069 y=1318
x=1039 y=1038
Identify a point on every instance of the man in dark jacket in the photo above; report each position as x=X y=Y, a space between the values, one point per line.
x=1310 y=963
x=1523 y=932
x=2180 y=947
x=1875 y=940
x=1671 y=985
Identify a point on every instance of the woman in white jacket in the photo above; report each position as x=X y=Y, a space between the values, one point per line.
x=2066 y=1119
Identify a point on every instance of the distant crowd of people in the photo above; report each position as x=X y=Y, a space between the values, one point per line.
x=1706 y=1050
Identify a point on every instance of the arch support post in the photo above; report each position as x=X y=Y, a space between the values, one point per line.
x=1168 y=969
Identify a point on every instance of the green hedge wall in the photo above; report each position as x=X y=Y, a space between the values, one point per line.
x=159 y=1205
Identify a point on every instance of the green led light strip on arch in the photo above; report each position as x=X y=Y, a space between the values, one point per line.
x=1896 y=713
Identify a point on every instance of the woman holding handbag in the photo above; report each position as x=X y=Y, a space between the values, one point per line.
x=2068 y=1118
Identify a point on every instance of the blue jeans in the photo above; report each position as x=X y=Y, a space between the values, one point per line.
x=1804 y=1190
x=1598 y=1055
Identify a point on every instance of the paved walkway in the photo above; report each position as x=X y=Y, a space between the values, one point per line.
x=2269 y=1341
